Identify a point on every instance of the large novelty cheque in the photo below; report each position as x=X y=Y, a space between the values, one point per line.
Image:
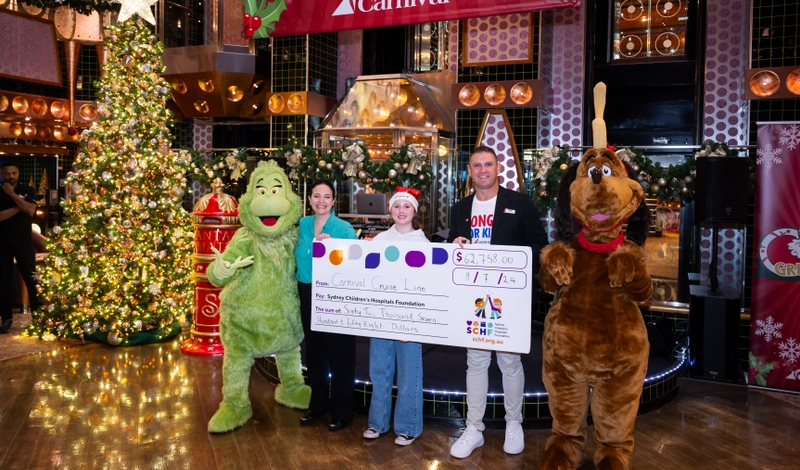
x=476 y=296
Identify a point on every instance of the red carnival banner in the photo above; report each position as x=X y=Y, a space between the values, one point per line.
x=322 y=16
x=775 y=309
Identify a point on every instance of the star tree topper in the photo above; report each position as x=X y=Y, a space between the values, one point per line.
x=136 y=7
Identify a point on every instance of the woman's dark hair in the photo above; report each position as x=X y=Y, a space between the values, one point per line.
x=566 y=225
x=326 y=183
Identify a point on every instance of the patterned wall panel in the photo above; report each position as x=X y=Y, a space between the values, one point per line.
x=730 y=245
x=349 y=59
x=201 y=142
x=452 y=46
x=493 y=39
x=725 y=110
x=29 y=49
x=232 y=23
x=561 y=68
x=497 y=135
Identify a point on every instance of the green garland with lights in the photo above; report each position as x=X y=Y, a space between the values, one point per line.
x=84 y=7
x=675 y=182
x=228 y=166
x=119 y=268
x=408 y=167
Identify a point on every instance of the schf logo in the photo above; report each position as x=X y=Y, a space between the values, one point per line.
x=349 y=7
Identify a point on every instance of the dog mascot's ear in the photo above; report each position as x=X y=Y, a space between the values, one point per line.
x=566 y=226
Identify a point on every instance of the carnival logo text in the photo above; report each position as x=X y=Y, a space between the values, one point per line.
x=349 y=7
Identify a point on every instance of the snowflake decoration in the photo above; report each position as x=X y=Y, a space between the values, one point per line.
x=790 y=350
x=155 y=289
x=769 y=329
x=768 y=156
x=790 y=137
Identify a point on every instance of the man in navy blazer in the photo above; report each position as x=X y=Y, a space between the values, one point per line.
x=496 y=216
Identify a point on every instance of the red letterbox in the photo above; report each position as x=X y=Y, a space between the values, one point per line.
x=215 y=219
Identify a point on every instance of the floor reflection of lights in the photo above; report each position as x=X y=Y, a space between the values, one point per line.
x=115 y=402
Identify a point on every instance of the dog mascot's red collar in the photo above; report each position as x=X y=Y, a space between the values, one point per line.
x=600 y=247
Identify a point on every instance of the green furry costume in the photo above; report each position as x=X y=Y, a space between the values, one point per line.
x=259 y=306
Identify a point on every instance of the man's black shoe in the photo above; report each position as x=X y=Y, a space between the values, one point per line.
x=338 y=425
x=6 y=326
x=311 y=417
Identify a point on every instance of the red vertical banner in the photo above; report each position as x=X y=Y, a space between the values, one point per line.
x=775 y=308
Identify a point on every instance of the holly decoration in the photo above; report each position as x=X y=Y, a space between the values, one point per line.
x=761 y=370
x=408 y=167
x=260 y=16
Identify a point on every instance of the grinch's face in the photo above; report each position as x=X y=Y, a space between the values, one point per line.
x=269 y=207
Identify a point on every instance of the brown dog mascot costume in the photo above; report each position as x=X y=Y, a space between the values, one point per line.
x=595 y=340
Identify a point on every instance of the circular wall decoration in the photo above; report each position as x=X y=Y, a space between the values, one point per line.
x=295 y=103
x=494 y=94
x=469 y=95
x=178 y=85
x=201 y=106
x=631 y=10
x=3 y=103
x=668 y=8
x=257 y=87
x=765 y=83
x=276 y=103
x=234 y=93
x=630 y=46
x=20 y=104
x=793 y=82
x=667 y=43
x=205 y=84
x=521 y=93
x=58 y=109
x=88 y=112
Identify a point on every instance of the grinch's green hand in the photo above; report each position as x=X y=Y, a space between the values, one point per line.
x=223 y=269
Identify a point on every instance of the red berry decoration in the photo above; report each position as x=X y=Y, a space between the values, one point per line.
x=255 y=22
x=249 y=32
x=72 y=131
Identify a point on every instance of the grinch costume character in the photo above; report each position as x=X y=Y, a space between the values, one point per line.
x=259 y=307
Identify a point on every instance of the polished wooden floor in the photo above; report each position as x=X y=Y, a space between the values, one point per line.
x=146 y=407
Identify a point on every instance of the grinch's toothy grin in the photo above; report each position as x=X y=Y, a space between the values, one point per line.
x=269 y=221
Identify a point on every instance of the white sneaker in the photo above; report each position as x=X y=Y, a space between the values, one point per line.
x=371 y=433
x=404 y=439
x=515 y=439
x=470 y=440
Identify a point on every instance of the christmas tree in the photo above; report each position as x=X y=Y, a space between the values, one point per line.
x=120 y=263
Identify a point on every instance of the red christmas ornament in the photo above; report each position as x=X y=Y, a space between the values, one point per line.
x=72 y=131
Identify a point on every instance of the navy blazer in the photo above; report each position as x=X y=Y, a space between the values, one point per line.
x=516 y=222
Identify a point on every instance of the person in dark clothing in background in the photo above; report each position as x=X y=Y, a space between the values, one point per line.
x=17 y=206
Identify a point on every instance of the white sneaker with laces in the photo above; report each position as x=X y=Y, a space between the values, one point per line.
x=515 y=439
x=404 y=439
x=371 y=433
x=470 y=440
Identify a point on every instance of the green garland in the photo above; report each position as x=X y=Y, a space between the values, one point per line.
x=676 y=182
x=83 y=7
x=550 y=165
x=228 y=166
x=301 y=160
x=401 y=169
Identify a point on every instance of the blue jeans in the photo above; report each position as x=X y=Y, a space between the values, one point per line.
x=408 y=409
